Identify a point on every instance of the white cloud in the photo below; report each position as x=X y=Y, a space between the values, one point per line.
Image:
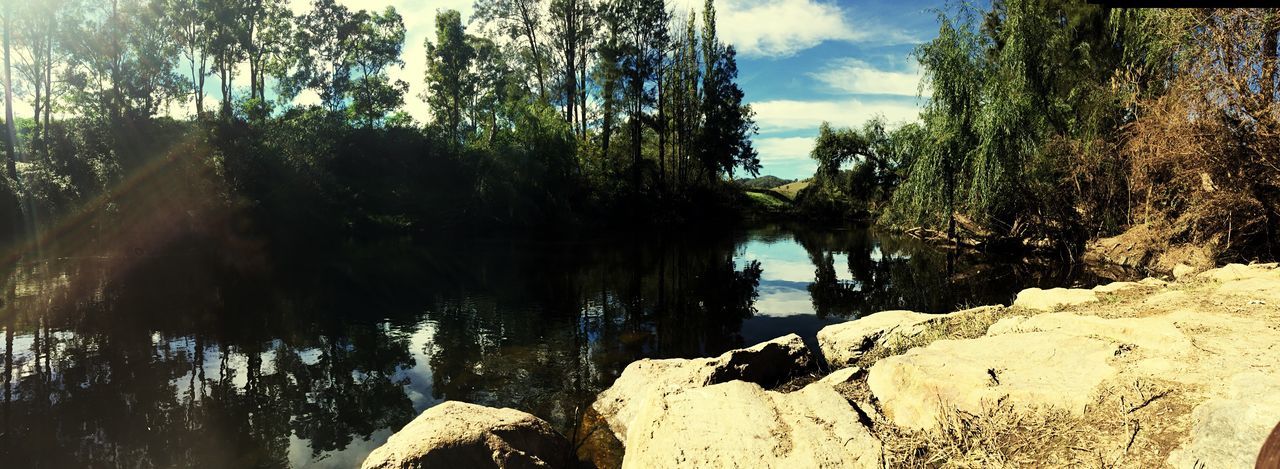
x=854 y=76
x=783 y=149
x=786 y=115
x=784 y=27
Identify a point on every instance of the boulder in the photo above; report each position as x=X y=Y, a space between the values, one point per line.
x=647 y=382
x=739 y=424
x=457 y=434
x=842 y=344
x=1054 y=298
x=1030 y=370
x=1228 y=430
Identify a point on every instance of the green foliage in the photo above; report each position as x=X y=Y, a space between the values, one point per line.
x=1021 y=123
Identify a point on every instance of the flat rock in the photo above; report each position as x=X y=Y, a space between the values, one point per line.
x=648 y=382
x=739 y=424
x=1116 y=287
x=1053 y=298
x=456 y=434
x=1229 y=430
x=844 y=343
x=1032 y=370
x=1151 y=335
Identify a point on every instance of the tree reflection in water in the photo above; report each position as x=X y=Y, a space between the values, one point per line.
x=189 y=357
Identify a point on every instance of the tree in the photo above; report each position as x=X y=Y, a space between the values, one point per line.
x=374 y=47
x=10 y=132
x=573 y=24
x=520 y=21
x=449 y=73
x=728 y=125
x=188 y=20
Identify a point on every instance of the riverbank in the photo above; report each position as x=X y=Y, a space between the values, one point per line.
x=1133 y=374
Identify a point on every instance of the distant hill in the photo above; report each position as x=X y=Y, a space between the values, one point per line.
x=790 y=189
x=763 y=182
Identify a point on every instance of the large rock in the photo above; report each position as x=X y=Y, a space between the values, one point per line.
x=456 y=435
x=1156 y=335
x=842 y=344
x=648 y=382
x=1054 y=298
x=739 y=424
x=1229 y=430
x=1031 y=370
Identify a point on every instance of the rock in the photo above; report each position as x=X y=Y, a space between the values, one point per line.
x=844 y=343
x=1181 y=271
x=1114 y=287
x=1228 y=430
x=456 y=434
x=1054 y=298
x=739 y=424
x=646 y=382
x=1034 y=370
x=767 y=363
x=1149 y=334
x=841 y=376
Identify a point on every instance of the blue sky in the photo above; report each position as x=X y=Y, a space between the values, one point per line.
x=844 y=72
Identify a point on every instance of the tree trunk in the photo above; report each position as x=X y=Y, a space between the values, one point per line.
x=10 y=130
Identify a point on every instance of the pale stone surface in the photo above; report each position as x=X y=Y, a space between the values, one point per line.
x=1116 y=287
x=739 y=424
x=1053 y=298
x=646 y=382
x=841 y=376
x=1228 y=430
x=456 y=434
x=1182 y=271
x=1035 y=369
x=843 y=343
x=1154 y=334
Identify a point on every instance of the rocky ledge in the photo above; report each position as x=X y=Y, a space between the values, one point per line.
x=1133 y=374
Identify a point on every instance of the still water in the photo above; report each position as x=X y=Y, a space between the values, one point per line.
x=190 y=358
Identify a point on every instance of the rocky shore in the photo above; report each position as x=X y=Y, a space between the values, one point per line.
x=1130 y=374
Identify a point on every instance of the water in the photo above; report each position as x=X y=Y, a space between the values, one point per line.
x=228 y=357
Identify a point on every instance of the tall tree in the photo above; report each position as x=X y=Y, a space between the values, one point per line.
x=449 y=73
x=522 y=22
x=10 y=133
x=374 y=47
x=728 y=124
x=188 y=20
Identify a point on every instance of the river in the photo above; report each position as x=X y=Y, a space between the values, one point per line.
x=191 y=358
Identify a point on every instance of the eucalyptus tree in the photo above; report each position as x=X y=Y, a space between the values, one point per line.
x=187 y=19
x=522 y=22
x=10 y=133
x=573 y=24
x=449 y=76
x=373 y=49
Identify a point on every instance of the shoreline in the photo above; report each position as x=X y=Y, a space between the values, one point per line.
x=1148 y=373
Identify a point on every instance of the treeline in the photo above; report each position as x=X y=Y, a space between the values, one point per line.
x=1052 y=123
x=543 y=112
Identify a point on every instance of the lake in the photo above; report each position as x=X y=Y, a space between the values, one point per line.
x=188 y=357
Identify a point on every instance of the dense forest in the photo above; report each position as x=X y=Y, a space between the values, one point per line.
x=1052 y=123
x=543 y=114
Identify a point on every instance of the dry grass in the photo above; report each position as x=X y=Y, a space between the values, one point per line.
x=967 y=324
x=1130 y=426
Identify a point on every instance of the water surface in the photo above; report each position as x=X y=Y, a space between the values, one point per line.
x=189 y=356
